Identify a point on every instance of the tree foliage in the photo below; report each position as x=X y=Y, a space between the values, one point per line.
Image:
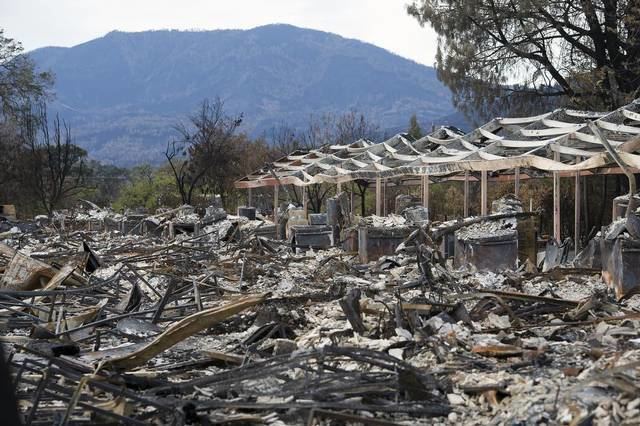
x=148 y=187
x=103 y=183
x=523 y=55
x=20 y=83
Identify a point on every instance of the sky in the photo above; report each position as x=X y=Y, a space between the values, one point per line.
x=385 y=23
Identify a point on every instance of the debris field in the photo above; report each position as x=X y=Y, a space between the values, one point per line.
x=185 y=318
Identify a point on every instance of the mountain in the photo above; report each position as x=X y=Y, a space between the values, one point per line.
x=123 y=93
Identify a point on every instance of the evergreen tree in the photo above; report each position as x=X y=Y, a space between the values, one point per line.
x=523 y=56
x=414 y=128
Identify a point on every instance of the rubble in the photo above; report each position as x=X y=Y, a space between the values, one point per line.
x=222 y=323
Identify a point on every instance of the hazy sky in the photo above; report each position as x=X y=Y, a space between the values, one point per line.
x=38 y=23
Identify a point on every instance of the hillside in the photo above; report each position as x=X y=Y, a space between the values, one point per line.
x=123 y=92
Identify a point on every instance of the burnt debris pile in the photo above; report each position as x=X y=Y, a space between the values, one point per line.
x=190 y=317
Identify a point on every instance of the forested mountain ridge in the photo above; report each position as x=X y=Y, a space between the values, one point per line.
x=123 y=92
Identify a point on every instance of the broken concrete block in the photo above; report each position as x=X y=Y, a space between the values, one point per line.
x=488 y=252
x=318 y=219
x=248 y=212
x=311 y=236
x=375 y=242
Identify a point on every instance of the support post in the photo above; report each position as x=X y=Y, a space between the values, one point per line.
x=556 y=201
x=576 y=217
x=339 y=188
x=275 y=205
x=425 y=193
x=305 y=201
x=516 y=190
x=466 y=194
x=378 y=197
x=483 y=193
x=249 y=198
x=384 y=198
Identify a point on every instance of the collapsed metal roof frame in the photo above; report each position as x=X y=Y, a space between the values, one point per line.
x=559 y=143
x=527 y=142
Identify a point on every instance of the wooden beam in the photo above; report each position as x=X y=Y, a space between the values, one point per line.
x=466 y=194
x=378 y=197
x=483 y=193
x=556 y=201
x=576 y=217
x=516 y=189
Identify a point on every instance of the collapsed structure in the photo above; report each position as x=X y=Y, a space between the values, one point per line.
x=189 y=316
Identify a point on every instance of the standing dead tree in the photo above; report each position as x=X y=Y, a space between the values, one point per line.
x=342 y=130
x=205 y=143
x=321 y=132
x=56 y=165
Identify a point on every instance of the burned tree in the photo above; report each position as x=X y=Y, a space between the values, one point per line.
x=204 y=144
x=56 y=165
x=20 y=86
x=321 y=132
x=344 y=129
x=362 y=185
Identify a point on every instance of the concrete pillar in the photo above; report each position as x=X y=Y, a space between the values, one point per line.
x=556 y=201
x=516 y=189
x=576 y=218
x=466 y=194
x=378 y=197
x=483 y=193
